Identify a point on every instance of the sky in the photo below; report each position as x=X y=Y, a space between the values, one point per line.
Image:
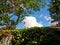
x=42 y=17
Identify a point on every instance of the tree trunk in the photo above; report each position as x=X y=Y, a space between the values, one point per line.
x=6 y=40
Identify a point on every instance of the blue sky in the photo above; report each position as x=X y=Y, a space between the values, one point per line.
x=43 y=11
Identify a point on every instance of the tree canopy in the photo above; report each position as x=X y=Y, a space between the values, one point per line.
x=19 y=8
x=55 y=9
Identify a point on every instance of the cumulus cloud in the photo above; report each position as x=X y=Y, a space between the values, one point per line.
x=31 y=21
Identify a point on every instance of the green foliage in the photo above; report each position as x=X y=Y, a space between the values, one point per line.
x=19 y=8
x=55 y=9
x=35 y=36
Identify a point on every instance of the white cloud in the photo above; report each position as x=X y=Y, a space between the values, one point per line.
x=47 y=18
x=30 y=21
x=41 y=15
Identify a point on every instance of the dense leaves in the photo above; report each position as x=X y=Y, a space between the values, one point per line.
x=35 y=36
x=19 y=8
x=55 y=9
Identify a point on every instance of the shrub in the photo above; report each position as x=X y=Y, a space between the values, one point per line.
x=35 y=36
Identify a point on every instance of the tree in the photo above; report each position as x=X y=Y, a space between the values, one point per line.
x=55 y=9
x=19 y=8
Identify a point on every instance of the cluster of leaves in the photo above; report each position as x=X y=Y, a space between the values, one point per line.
x=55 y=9
x=35 y=36
x=19 y=8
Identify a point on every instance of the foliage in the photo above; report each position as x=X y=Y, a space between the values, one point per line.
x=35 y=36
x=19 y=8
x=55 y=9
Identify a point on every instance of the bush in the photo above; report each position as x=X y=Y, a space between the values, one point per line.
x=35 y=36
